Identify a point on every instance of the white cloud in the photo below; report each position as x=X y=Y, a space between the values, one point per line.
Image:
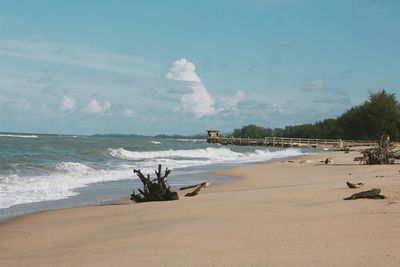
x=232 y=102
x=83 y=57
x=68 y=104
x=317 y=84
x=95 y=107
x=198 y=101
x=129 y=113
x=183 y=70
x=314 y=85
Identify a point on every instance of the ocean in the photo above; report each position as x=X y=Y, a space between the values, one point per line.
x=42 y=172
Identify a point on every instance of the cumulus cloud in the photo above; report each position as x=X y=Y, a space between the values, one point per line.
x=183 y=70
x=199 y=102
x=129 y=113
x=95 y=107
x=68 y=104
x=229 y=105
x=180 y=90
x=232 y=102
x=196 y=100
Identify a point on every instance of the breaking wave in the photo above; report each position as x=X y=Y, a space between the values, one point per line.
x=192 y=140
x=60 y=180
x=18 y=135
x=58 y=184
x=221 y=154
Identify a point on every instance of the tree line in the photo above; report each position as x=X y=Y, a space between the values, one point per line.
x=378 y=115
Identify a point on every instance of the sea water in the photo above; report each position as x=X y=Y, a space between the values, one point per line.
x=42 y=172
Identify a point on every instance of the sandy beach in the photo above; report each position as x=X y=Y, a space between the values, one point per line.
x=276 y=214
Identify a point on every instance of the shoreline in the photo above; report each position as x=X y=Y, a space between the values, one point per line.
x=276 y=213
x=81 y=200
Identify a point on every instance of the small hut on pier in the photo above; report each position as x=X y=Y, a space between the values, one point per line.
x=212 y=134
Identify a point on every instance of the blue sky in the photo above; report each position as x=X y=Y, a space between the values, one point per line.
x=149 y=67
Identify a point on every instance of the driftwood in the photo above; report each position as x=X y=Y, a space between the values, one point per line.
x=385 y=153
x=361 y=159
x=154 y=190
x=326 y=161
x=197 y=190
x=351 y=185
x=373 y=193
x=377 y=155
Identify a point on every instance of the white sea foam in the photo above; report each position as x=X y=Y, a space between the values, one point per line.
x=207 y=155
x=18 y=135
x=67 y=176
x=15 y=189
x=192 y=140
x=155 y=142
x=171 y=153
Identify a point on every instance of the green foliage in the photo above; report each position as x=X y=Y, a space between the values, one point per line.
x=378 y=115
x=323 y=129
x=252 y=131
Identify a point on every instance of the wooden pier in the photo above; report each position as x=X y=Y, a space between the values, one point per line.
x=292 y=142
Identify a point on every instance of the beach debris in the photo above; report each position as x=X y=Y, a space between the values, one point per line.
x=197 y=190
x=385 y=153
x=373 y=194
x=352 y=185
x=379 y=155
x=327 y=160
x=156 y=189
x=195 y=185
x=306 y=161
x=361 y=159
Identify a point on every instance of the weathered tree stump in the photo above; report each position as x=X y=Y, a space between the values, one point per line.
x=154 y=190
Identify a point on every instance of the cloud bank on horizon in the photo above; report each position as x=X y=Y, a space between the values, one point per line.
x=144 y=71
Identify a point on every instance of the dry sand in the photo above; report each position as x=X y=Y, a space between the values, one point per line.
x=279 y=214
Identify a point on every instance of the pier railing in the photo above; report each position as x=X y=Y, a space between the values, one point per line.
x=292 y=142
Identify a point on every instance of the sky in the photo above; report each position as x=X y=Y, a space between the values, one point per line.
x=182 y=67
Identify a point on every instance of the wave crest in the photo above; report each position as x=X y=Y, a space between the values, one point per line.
x=16 y=189
x=19 y=135
x=221 y=154
x=206 y=153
